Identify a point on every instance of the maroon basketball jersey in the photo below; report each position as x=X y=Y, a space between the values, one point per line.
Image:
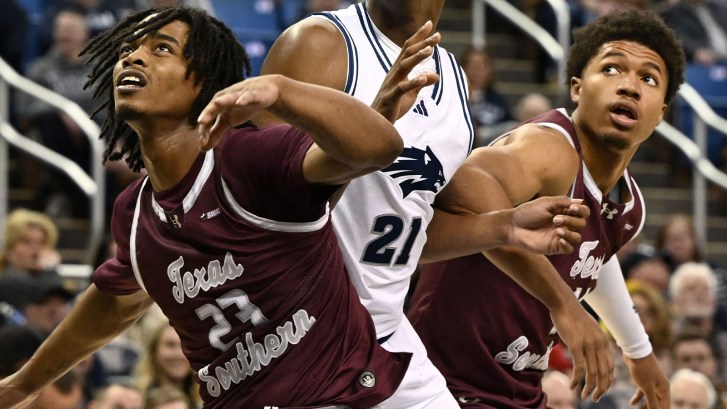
x=489 y=337
x=242 y=258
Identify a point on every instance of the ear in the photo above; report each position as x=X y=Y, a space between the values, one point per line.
x=575 y=89
x=663 y=110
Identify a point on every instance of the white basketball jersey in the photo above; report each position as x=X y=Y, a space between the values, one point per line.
x=382 y=218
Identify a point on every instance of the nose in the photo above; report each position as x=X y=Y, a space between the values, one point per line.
x=136 y=57
x=630 y=86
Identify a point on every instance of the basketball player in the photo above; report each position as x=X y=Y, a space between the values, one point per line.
x=489 y=337
x=381 y=219
x=232 y=241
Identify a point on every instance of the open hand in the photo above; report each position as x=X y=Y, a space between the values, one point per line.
x=398 y=93
x=234 y=105
x=549 y=225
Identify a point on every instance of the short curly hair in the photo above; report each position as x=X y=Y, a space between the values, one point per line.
x=642 y=26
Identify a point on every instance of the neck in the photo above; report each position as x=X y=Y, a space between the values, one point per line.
x=399 y=20
x=168 y=151
x=606 y=164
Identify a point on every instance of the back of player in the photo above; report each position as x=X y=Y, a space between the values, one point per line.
x=471 y=315
x=382 y=217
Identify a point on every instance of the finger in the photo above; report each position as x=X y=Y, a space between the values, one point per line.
x=568 y=237
x=591 y=362
x=563 y=247
x=412 y=56
x=604 y=372
x=419 y=35
x=579 y=210
x=569 y=222
x=637 y=398
x=415 y=83
x=578 y=366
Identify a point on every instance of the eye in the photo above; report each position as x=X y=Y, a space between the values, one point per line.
x=125 y=50
x=651 y=80
x=610 y=69
x=164 y=47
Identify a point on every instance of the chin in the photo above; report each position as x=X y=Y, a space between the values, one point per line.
x=615 y=142
x=125 y=113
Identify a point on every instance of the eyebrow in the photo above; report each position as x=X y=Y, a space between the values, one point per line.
x=621 y=54
x=158 y=36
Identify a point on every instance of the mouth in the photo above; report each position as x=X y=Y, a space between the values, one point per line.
x=624 y=114
x=130 y=80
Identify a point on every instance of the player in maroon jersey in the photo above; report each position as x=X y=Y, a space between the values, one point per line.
x=231 y=236
x=490 y=337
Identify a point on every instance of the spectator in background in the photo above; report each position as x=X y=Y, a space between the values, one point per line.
x=166 y=397
x=17 y=345
x=42 y=301
x=691 y=390
x=701 y=25
x=529 y=106
x=694 y=351
x=64 y=393
x=556 y=386
x=117 y=396
x=29 y=245
x=62 y=71
x=654 y=315
x=646 y=266
x=693 y=295
x=163 y=364
x=677 y=239
x=488 y=106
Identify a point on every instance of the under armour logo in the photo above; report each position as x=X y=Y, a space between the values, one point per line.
x=421 y=109
x=609 y=213
x=628 y=226
x=173 y=218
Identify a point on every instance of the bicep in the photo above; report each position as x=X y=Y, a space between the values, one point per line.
x=530 y=163
x=311 y=51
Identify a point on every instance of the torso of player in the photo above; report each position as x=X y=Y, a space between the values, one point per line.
x=382 y=217
x=504 y=334
x=257 y=302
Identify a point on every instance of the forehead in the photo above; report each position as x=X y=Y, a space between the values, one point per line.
x=631 y=50
x=176 y=29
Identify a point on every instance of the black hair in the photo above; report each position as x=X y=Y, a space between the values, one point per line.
x=215 y=56
x=642 y=26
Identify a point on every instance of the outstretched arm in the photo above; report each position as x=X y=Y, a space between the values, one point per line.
x=351 y=139
x=95 y=320
x=531 y=162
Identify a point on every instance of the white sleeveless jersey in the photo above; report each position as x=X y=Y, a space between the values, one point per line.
x=381 y=219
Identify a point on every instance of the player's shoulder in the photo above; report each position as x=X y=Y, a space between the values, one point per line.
x=312 y=32
x=127 y=198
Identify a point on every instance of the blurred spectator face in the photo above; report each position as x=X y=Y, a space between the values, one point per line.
x=679 y=240
x=532 y=105
x=172 y=405
x=27 y=252
x=646 y=312
x=46 y=315
x=60 y=395
x=556 y=387
x=653 y=272
x=688 y=394
x=696 y=355
x=70 y=33
x=478 y=68
x=170 y=358
x=695 y=299
x=118 y=397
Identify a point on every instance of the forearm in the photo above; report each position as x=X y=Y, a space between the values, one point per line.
x=613 y=304
x=474 y=234
x=95 y=320
x=344 y=128
x=536 y=275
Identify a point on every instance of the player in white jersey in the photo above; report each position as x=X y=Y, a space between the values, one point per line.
x=381 y=219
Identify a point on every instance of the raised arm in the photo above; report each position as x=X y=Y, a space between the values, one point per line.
x=351 y=139
x=533 y=161
x=95 y=320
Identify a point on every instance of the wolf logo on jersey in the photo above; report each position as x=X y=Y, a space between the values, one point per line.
x=421 y=170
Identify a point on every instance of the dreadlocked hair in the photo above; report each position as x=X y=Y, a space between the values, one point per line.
x=213 y=53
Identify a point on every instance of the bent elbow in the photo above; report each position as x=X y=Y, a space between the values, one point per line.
x=389 y=149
